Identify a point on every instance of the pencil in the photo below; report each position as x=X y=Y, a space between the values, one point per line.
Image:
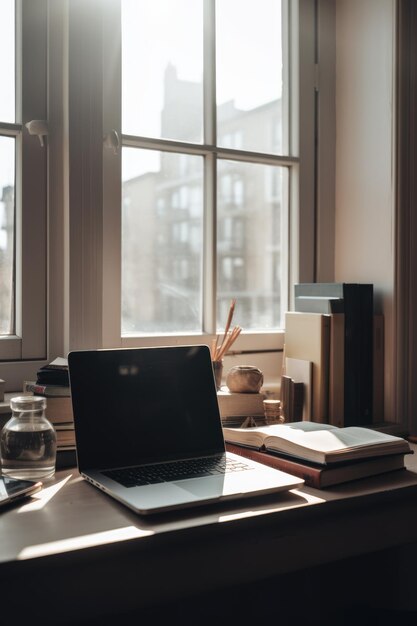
x=228 y=322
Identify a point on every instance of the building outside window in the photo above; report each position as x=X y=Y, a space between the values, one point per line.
x=206 y=114
x=205 y=132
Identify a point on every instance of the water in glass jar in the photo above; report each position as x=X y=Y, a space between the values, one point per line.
x=29 y=453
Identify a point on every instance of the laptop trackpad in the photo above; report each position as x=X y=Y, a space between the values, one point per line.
x=211 y=487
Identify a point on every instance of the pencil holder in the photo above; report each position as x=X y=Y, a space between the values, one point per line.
x=218 y=372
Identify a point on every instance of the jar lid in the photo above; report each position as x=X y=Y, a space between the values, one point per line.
x=28 y=403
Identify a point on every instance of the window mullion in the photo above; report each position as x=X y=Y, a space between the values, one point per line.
x=209 y=245
x=209 y=73
x=210 y=187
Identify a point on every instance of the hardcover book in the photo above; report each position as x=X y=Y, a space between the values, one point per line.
x=378 y=355
x=46 y=390
x=318 y=443
x=232 y=404
x=66 y=457
x=55 y=373
x=301 y=371
x=337 y=370
x=58 y=408
x=292 y=399
x=65 y=438
x=358 y=381
x=307 y=337
x=322 y=476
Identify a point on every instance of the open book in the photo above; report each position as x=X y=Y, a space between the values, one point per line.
x=322 y=476
x=318 y=443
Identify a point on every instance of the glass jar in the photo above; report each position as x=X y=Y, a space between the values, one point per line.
x=28 y=440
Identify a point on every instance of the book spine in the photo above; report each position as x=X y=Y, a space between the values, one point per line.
x=311 y=475
x=358 y=394
x=378 y=373
x=292 y=399
x=46 y=390
x=34 y=388
x=66 y=457
x=309 y=304
x=337 y=369
x=319 y=290
x=237 y=404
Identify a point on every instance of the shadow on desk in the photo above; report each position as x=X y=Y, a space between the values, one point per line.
x=348 y=593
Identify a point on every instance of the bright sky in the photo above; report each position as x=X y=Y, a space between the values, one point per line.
x=163 y=32
x=158 y=32
x=7 y=91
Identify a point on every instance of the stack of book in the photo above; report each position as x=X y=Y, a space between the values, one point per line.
x=235 y=407
x=321 y=454
x=52 y=382
x=335 y=331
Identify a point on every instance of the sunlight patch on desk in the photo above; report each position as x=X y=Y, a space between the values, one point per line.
x=40 y=499
x=77 y=479
x=83 y=541
x=306 y=499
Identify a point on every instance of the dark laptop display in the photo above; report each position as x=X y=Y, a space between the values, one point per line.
x=143 y=405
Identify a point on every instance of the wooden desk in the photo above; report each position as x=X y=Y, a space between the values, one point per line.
x=74 y=545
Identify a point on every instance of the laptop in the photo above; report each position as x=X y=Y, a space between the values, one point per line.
x=148 y=430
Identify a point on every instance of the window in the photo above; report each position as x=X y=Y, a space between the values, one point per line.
x=160 y=112
x=7 y=171
x=205 y=129
x=22 y=182
x=196 y=201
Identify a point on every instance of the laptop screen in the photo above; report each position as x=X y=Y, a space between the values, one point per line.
x=143 y=405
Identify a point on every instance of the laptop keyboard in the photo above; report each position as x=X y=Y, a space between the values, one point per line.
x=176 y=470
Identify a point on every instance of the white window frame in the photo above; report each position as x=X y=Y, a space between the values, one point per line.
x=19 y=354
x=95 y=215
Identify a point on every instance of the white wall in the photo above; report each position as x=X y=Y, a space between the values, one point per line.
x=364 y=219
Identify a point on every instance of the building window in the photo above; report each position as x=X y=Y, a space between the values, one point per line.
x=205 y=93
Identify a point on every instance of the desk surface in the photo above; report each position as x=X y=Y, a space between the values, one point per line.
x=71 y=531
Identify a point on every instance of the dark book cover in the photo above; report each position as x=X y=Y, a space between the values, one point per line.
x=66 y=457
x=52 y=376
x=358 y=349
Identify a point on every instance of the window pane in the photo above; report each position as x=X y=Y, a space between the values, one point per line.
x=162 y=68
x=249 y=242
x=162 y=239
x=7 y=61
x=249 y=75
x=7 y=212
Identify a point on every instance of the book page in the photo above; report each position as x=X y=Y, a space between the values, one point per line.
x=59 y=362
x=318 y=442
x=332 y=440
x=255 y=436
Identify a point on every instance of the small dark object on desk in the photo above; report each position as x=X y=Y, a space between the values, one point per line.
x=66 y=457
x=12 y=489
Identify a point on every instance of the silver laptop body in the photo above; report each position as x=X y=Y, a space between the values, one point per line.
x=140 y=412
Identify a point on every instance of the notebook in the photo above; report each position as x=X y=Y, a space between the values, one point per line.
x=148 y=430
